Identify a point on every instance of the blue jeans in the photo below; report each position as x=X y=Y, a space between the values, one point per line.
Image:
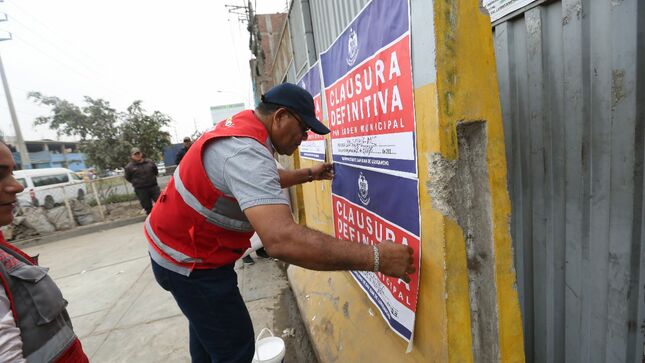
x=220 y=327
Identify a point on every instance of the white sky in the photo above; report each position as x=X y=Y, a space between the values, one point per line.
x=178 y=57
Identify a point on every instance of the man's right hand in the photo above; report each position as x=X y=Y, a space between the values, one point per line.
x=299 y=245
x=396 y=260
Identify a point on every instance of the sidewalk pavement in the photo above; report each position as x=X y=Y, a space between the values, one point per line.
x=121 y=314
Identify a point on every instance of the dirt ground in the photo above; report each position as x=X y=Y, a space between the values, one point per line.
x=121 y=210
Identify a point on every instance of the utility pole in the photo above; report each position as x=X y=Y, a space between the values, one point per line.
x=174 y=128
x=25 y=161
x=243 y=13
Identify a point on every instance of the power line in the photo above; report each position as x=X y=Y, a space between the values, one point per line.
x=237 y=58
x=50 y=31
x=22 y=111
x=70 y=68
x=21 y=89
x=25 y=160
x=15 y=20
x=65 y=53
x=243 y=13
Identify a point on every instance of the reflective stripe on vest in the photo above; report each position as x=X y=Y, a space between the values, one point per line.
x=176 y=255
x=163 y=262
x=212 y=217
x=54 y=347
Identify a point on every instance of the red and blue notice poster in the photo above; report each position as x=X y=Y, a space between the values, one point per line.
x=314 y=147
x=370 y=207
x=367 y=76
x=368 y=90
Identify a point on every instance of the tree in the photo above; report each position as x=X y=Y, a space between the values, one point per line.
x=143 y=130
x=106 y=134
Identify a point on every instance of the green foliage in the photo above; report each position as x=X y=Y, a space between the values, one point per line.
x=106 y=134
x=142 y=130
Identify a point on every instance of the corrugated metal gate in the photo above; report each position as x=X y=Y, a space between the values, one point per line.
x=329 y=18
x=571 y=85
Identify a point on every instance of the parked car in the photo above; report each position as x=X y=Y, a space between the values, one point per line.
x=87 y=175
x=44 y=187
x=161 y=168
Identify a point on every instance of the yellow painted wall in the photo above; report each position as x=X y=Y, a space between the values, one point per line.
x=343 y=323
x=317 y=201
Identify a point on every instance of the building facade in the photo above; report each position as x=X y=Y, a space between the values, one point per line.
x=266 y=32
x=51 y=154
x=219 y=113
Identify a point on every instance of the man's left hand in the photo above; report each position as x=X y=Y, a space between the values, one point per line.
x=323 y=171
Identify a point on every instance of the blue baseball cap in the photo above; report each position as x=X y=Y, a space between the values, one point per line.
x=298 y=100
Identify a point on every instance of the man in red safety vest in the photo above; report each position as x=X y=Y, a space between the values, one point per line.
x=228 y=186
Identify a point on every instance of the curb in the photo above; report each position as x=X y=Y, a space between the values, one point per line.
x=76 y=232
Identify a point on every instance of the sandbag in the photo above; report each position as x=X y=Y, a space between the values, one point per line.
x=82 y=212
x=60 y=218
x=36 y=218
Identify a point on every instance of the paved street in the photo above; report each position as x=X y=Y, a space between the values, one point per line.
x=122 y=315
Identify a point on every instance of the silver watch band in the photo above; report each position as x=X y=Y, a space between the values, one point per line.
x=377 y=259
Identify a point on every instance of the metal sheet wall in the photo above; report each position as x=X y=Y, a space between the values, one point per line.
x=298 y=40
x=571 y=82
x=330 y=17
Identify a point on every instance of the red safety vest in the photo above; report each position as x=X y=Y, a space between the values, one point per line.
x=193 y=225
x=38 y=309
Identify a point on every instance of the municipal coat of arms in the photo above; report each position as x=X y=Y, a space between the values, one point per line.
x=363 y=190
x=352 y=47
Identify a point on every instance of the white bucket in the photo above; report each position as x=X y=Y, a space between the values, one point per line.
x=256 y=244
x=270 y=349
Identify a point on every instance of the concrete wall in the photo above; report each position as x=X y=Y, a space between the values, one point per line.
x=265 y=37
x=284 y=58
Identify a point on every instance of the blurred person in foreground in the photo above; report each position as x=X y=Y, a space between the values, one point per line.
x=34 y=324
x=142 y=174
x=228 y=186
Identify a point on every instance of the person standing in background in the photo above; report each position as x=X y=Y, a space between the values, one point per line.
x=142 y=174
x=180 y=155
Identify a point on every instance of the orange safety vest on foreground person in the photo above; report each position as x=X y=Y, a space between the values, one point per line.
x=38 y=309
x=193 y=225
